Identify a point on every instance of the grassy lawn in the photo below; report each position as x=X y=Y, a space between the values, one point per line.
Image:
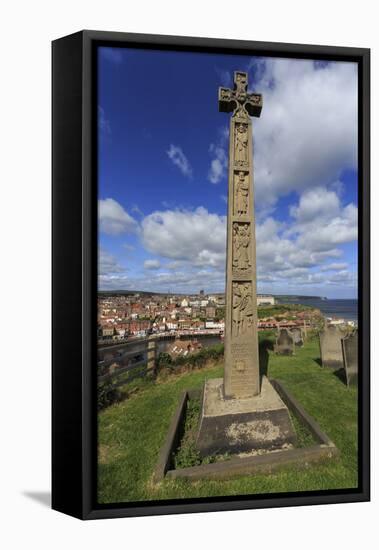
x=131 y=433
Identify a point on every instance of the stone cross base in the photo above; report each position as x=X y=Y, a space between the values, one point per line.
x=239 y=425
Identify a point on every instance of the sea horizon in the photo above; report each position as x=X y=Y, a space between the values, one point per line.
x=196 y=292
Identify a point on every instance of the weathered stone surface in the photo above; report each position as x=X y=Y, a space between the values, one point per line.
x=350 y=357
x=236 y=425
x=241 y=377
x=298 y=337
x=331 y=347
x=239 y=415
x=256 y=461
x=284 y=342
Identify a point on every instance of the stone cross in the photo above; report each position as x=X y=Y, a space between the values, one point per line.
x=241 y=374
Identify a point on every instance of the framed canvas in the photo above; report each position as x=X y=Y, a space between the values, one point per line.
x=210 y=275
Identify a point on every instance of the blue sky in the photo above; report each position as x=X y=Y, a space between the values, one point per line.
x=163 y=172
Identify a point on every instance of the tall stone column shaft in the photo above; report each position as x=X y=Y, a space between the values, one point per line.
x=241 y=375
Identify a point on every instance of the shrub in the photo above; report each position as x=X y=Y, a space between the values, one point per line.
x=164 y=360
x=107 y=394
x=187 y=455
x=195 y=360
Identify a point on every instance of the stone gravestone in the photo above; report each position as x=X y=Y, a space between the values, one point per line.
x=284 y=342
x=241 y=412
x=331 y=348
x=298 y=338
x=350 y=357
x=305 y=332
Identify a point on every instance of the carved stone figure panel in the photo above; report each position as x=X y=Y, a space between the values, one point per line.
x=241 y=145
x=243 y=309
x=241 y=194
x=241 y=246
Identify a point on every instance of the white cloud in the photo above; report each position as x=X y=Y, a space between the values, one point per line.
x=175 y=265
x=190 y=249
x=305 y=138
x=196 y=236
x=113 y=219
x=307 y=133
x=334 y=266
x=108 y=264
x=219 y=163
x=344 y=276
x=178 y=158
x=322 y=222
x=298 y=252
x=115 y=282
x=218 y=151
x=195 y=244
x=152 y=264
x=112 y=275
x=316 y=204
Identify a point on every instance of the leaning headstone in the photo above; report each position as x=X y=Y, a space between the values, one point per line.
x=298 y=338
x=350 y=357
x=284 y=342
x=330 y=347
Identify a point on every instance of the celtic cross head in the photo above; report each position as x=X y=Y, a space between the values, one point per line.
x=239 y=100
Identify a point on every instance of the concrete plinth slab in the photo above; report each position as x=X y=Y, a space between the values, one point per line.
x=236 y=425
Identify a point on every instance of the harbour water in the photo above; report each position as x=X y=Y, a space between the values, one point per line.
x=341 y=309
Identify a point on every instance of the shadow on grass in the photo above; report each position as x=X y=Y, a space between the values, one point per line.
x=264 y=346
x=341 y=375
x=318 y=361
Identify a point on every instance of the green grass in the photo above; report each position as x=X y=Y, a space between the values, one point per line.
x=187 y=454
x=131 y=434
x=280 y=309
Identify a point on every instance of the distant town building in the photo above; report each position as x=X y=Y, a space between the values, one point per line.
x=265 y=300
x=210 y=312
x=183 y=348
x=108 y=332
x=215 y=325
x=335 y=322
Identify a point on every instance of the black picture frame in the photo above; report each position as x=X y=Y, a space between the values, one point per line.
x=74 y=274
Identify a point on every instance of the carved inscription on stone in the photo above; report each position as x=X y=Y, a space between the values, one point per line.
x=241 y=144
x=240 y=350
x=241 y=354
x=241 y=194
x=241 y=246
x=243 y=309
x=240 y=365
